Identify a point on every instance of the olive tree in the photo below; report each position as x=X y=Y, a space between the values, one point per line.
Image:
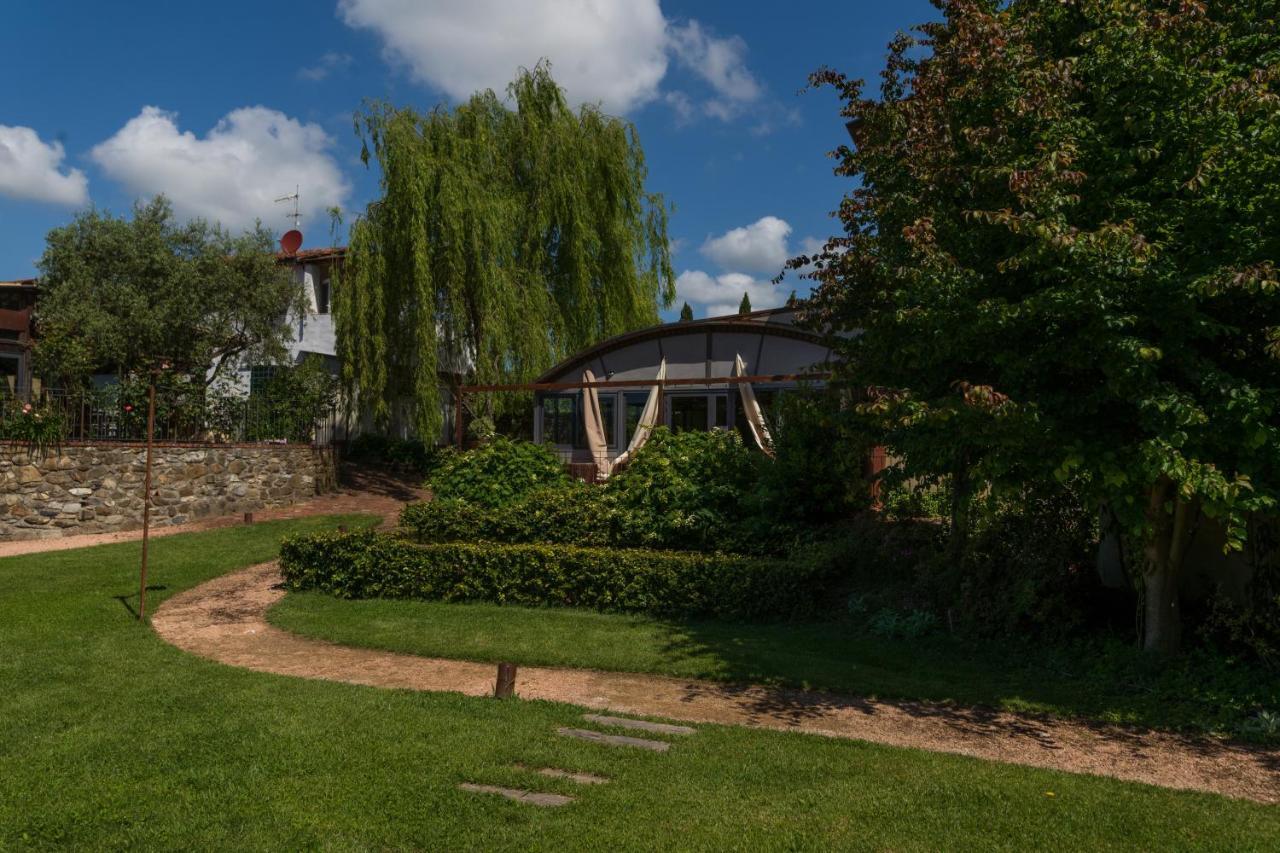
x=117 y=294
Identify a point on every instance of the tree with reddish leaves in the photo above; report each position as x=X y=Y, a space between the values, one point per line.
x=1062 y=253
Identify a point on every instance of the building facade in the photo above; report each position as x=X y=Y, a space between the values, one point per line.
x=311 y=331
x=17 y=305
x=768 y=343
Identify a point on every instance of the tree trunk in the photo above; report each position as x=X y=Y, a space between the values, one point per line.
x=1169 y=527
x=960 y=503
x=1162 y=627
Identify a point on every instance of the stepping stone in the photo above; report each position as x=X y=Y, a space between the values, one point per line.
x=615 y=740
x=643 y=725
x=572 y=775
x=533 y=798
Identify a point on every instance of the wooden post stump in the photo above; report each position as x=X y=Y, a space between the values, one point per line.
x=248 y=518
x=506 y=686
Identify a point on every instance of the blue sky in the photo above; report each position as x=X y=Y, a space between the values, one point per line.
x=225 y=106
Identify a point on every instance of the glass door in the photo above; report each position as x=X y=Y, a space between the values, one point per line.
x=11 y=374
x=700 y=412
x=687 y=412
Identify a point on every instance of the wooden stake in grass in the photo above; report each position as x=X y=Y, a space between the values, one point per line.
x=146 y=496
x=506 y=686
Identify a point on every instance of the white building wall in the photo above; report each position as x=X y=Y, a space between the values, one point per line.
x=310 y=331
x=313 y=331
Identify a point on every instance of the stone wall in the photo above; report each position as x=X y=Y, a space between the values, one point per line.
x=97 y=487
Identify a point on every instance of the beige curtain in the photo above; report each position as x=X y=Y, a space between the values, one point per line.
x=593 y=419
x=648 y=419
x=755 y=417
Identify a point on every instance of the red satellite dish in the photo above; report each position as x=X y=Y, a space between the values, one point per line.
x=291 y=242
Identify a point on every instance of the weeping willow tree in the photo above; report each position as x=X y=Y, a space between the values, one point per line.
x=504 y=239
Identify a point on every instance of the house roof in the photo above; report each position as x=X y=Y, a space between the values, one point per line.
x=310 y=255
x=19 y=282
x=772 y=321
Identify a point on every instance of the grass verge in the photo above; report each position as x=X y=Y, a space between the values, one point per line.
x=1108 y=682
x=109 y=738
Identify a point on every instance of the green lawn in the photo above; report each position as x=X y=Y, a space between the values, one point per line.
x=109 y=738
x=1114 y=683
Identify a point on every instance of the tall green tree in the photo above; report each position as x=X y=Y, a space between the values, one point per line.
x=1063 y=257
x=744 y=307
x=504 y=239
x=120 y=293
x=686 y=313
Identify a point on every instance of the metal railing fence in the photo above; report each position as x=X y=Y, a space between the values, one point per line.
x=87 y=415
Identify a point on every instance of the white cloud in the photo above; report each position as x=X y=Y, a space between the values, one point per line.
x=233 y=174
x=758 y=247
x=31 y=169
x=328 y=63
x=811 y=245
x=721 y=62
x=612 y=52
x=616 y=52
x=722 y=294
x=681 y=104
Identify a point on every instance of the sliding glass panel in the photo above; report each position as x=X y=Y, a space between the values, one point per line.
x=634 y=408
x=722 y=412
x=609 y=416
x=559 y=418
x=689 y=413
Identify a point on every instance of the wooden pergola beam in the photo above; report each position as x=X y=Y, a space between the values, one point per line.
x=644 y=383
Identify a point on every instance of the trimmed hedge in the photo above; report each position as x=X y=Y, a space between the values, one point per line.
x=574 y=514
x=579 y=514
x=662 y=583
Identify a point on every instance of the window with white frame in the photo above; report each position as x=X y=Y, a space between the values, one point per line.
x=321 y=285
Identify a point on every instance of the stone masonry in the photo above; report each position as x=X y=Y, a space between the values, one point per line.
x=97 y=488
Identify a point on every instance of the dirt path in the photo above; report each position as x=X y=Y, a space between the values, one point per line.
x=225 y=619
x=360 y=492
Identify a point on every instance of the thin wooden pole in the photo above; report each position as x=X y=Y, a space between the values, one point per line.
x=146 y=497
x=457 y=418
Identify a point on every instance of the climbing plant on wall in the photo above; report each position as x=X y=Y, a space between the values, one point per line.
x=507 y=235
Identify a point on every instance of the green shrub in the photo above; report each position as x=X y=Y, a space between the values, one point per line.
x=408 y=455
x=905 y=500
x=497 y=472
x=40 y=428
x=294 y=399
x=1250 y=626
x=684 y=490
x=902 y=624
x=695 y=491
x=668 y=501
x=1029 y=569
x=816 y=475
x=571 y=514
x=662 y=583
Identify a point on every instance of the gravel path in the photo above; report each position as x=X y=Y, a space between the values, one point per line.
x=225 y=620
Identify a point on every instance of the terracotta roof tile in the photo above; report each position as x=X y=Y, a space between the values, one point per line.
x=314 y=254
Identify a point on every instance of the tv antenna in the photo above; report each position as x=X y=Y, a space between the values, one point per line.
x=293 y=198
